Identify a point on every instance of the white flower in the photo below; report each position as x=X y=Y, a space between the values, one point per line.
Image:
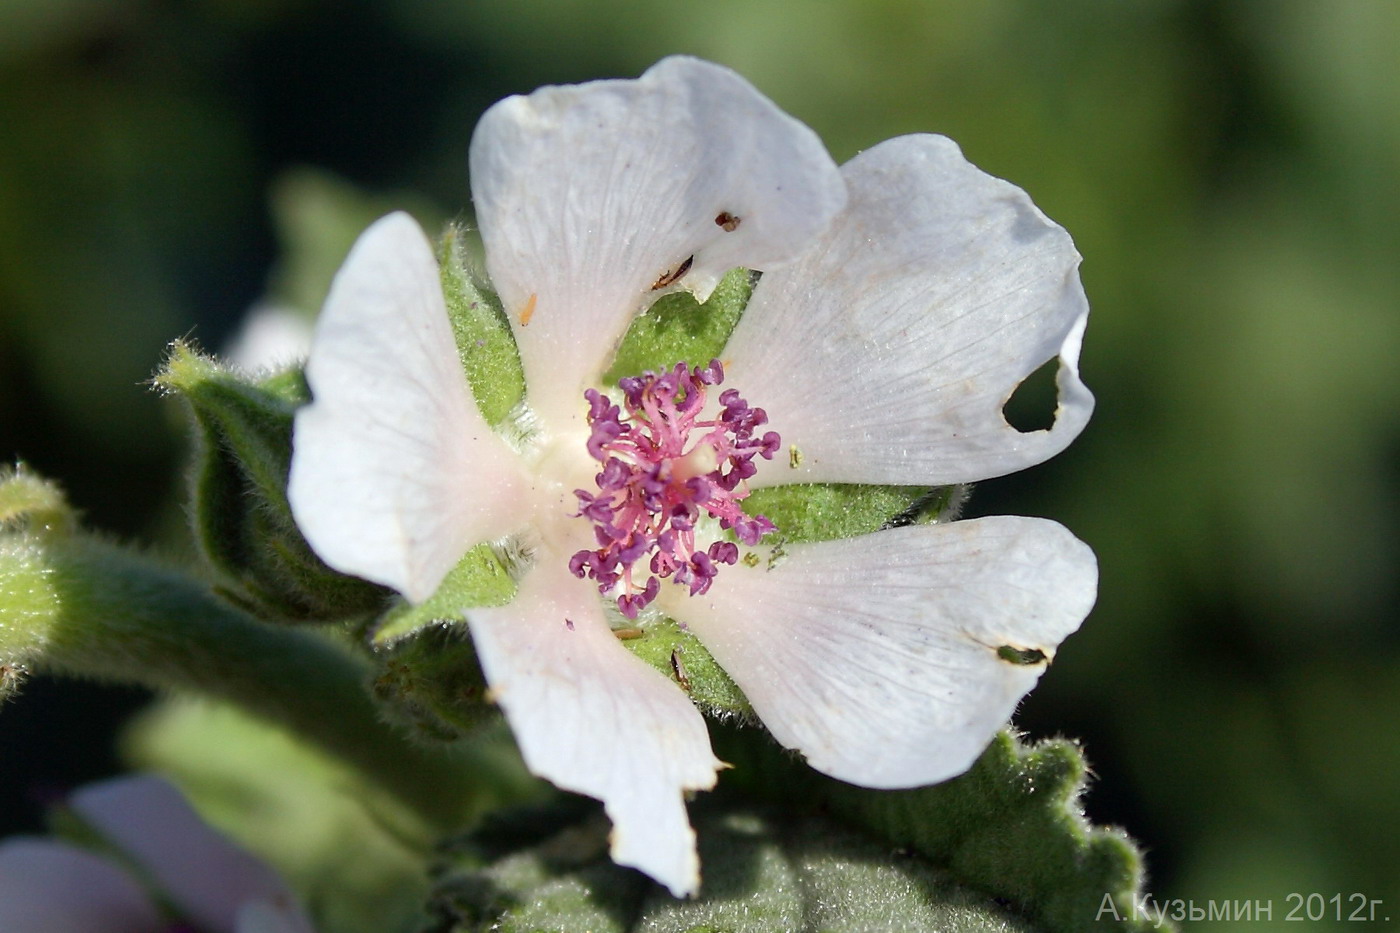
x=47 y=886
x=903 y=298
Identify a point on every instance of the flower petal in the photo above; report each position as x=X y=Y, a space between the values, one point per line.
x=589 y=195
x=395 y=473
x=271 y=917
x=594 y=719
x=886 y=354
x=877 y=657
x=204 y=875
x=52 y=887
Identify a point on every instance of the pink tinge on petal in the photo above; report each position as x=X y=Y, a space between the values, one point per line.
x=395 y=473
x=594 y=719
x=204 y=874
x=51 y=887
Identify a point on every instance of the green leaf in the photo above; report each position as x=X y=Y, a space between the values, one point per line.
x=1011 y=826
x=240 y=514
x=482 y=332
x=677 y=328
x=765 y=871
x=566 y=882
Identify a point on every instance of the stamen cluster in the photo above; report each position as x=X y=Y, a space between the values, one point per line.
x=663 y=469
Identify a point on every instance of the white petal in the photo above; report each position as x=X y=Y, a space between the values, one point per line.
x=395 y=473
x=886 y=354
x=51 y=887
x=204 y=875
x=876 y=657
x=588 y=194
x=594 y=719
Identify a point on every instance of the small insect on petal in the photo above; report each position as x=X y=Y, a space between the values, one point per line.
x=528 y=311
x=727 y=221
x=668 y=277
x=627 y=634
x=678 y=668
x=1022 y=656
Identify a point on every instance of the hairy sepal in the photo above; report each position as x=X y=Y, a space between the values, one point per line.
x=239 y=512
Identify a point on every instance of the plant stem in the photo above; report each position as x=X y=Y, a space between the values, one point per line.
x=83 y=607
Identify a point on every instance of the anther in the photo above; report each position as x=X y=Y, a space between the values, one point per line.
x=663 y=469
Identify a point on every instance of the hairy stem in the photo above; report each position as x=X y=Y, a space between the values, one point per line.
x=80 y=606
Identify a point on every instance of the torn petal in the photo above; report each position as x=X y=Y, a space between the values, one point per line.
x=878 y=657
x=395 y=473
x=591 y=196
x=592 y=718
x=886 y=354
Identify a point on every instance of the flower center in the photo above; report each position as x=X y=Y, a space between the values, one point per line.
x=663 y=470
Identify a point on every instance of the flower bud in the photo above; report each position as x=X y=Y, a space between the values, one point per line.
x=241 y=520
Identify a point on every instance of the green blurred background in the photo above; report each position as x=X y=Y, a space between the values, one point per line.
x=1229 y=171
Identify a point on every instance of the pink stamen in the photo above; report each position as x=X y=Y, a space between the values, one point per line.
x=653 y=488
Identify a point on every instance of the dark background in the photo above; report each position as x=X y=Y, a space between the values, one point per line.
x=1227 y=169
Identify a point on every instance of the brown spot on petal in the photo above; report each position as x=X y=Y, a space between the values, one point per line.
x=727 y=221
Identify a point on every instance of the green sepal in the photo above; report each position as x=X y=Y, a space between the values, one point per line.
x=1011 y=826
x=826 y=511
x=428 y=678
x=764 y=872
x=478 y=580
x=680 y=656
x=431 y=682
x=677 y=328
x=485 y=343
x=240 y=515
